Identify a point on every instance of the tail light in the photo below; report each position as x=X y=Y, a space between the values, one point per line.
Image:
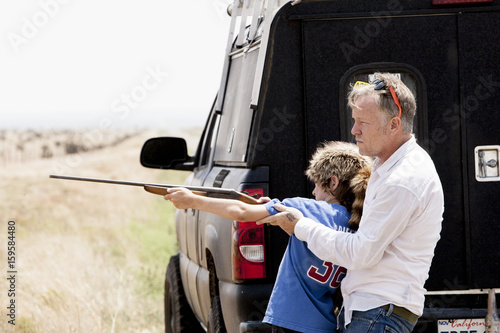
x=458 y=2
x=249 y=246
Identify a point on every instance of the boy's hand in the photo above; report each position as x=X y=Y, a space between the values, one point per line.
x=287 y=219
x=181 y=198
x=263 y=200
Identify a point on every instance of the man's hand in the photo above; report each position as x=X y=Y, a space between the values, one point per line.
x=181 y=198
x=287 y=219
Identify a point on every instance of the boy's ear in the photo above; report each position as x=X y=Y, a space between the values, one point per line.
x=334 y=183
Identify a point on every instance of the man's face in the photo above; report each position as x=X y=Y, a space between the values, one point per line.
x=370 y=128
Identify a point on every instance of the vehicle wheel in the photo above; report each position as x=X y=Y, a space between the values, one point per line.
x=179 y=318
x=215 y=320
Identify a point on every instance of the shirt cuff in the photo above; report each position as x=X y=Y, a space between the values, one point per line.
x=302 y=228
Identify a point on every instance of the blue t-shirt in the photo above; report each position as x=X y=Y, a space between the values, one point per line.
x=302 y=297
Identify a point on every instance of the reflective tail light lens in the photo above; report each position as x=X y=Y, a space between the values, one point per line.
x=249 y=247
x=253 y=253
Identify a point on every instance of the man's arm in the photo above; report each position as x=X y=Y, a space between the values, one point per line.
x=380 y=226
x=230 y=209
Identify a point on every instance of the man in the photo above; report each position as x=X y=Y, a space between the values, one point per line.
x=389 y=257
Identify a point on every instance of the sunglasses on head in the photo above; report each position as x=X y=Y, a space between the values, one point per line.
x=381 y=85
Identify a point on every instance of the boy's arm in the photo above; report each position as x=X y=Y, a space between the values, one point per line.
x=231 y=209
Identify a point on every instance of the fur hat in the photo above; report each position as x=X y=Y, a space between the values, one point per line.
x=342 y=159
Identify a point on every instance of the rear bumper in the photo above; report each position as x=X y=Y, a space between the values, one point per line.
x=244 y=306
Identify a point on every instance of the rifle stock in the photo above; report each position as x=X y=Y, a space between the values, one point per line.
x=161 y=189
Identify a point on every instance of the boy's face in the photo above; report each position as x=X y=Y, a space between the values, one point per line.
x=320 y=194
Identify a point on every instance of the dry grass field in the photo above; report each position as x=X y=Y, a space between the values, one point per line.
x=89 y=257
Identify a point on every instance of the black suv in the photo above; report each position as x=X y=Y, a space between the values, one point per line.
x=288 y=69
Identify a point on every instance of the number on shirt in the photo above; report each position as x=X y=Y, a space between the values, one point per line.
x=315 y=274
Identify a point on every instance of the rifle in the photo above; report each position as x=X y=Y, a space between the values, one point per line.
x=161 y=189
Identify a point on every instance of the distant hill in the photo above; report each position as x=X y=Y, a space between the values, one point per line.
x=21 y=146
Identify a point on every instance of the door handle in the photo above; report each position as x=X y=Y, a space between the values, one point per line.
x=486 y=160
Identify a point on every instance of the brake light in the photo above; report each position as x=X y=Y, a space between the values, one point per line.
x=248 y=247
x=458 y=2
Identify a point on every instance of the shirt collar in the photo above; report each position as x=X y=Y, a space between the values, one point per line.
x=383 y=167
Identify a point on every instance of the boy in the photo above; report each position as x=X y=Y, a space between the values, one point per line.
x=302 y=297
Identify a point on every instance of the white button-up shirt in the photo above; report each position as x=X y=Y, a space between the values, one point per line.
x=389 y=257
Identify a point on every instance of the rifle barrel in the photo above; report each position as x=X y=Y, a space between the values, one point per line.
x=215 y=192
x=122 y=182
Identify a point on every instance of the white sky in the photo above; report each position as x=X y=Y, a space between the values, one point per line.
x=89 y=63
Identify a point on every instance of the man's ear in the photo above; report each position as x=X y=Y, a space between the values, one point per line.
x=334 y=183
x=396 y=122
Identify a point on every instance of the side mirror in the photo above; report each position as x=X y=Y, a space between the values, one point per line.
x=166 y=153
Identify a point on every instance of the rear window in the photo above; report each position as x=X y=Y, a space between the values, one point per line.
x=237 y=115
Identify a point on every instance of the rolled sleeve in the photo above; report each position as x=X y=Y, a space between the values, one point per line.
x=381 y=224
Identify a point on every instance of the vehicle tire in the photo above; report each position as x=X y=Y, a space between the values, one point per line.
x=179 y=318
x=215 y=319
